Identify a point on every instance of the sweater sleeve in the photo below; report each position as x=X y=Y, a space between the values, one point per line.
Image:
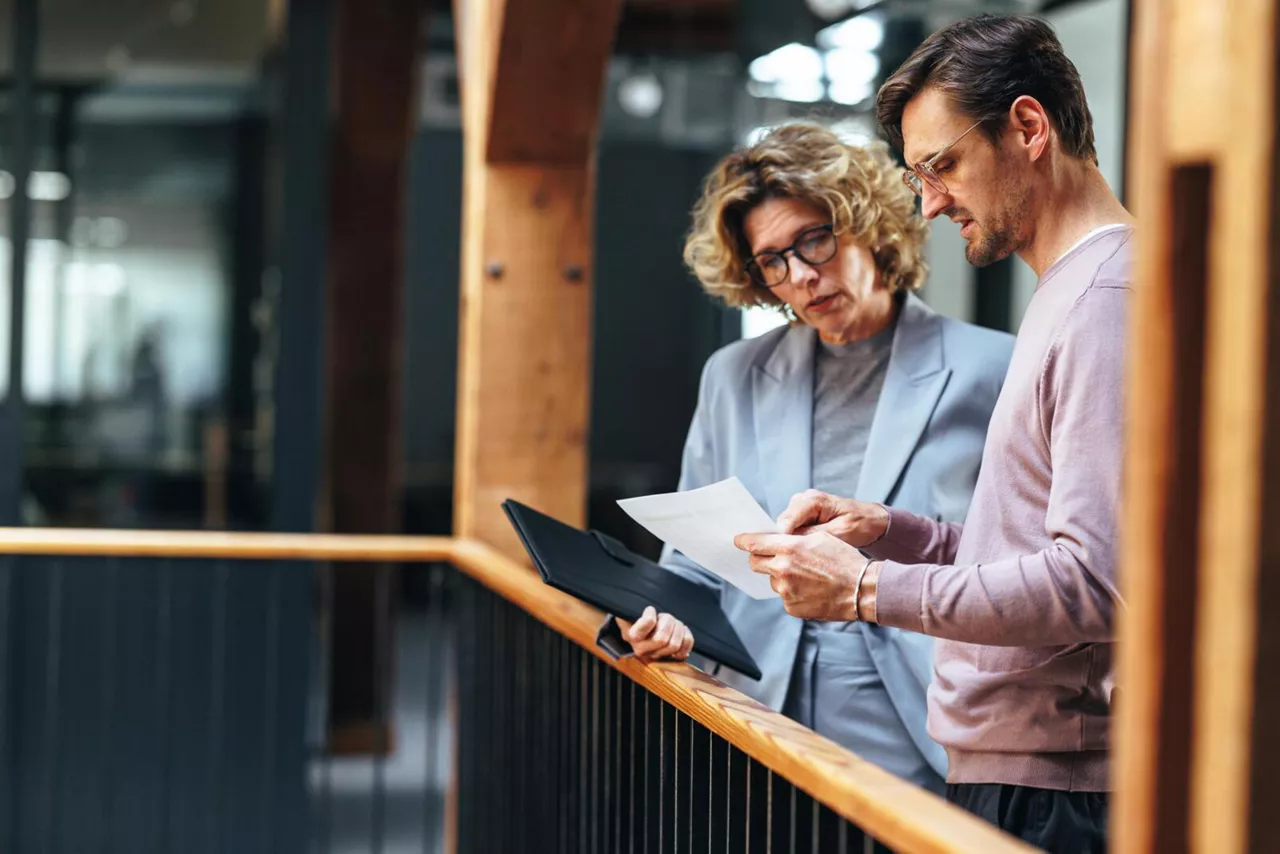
x=916 y=539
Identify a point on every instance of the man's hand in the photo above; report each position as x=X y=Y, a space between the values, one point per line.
x=657 y=636
x=813 y=573
x=858 y=523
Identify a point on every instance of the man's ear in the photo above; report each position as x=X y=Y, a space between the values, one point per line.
x=1030 y=123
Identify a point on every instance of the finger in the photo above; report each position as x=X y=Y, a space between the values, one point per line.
x=666 y=625
x=676 y=643
x=645 y=650
x=656 y=650
x=802 y=510
x=687 y=647
x=644 y=625
x=764 y=544
x=779 y=586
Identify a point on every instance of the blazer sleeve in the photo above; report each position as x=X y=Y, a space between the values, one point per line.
x=698 y=467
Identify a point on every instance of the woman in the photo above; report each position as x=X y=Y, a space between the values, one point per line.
x=866 y=393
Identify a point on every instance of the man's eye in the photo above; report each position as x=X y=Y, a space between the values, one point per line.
x=944 y=167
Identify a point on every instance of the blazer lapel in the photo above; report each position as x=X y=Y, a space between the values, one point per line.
x=782 y=403
x=916 y=377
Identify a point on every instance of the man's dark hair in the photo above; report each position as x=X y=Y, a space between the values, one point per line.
x=984 y=64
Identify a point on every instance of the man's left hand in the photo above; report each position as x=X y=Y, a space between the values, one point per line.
x=813 y=573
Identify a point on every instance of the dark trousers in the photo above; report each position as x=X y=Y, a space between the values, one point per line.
x=1058 y=822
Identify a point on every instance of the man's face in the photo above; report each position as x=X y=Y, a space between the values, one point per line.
x=985 y=193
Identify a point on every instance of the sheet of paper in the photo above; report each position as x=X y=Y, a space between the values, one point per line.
x=702 y=523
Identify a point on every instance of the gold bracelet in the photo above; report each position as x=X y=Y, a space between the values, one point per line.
x=857 y=592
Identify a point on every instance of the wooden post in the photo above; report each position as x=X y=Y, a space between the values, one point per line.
x=375 y=76
x=1199 y=676
x=532 y=77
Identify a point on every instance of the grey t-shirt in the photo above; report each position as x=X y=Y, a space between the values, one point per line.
x=846 y=388
x=835 y=687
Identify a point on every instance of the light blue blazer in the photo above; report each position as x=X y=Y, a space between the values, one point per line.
x=754 y=419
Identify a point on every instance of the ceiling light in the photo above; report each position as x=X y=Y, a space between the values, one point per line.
x=641 y=95
x=864 y=32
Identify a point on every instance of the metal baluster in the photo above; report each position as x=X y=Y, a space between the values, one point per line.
x=217 y=691
x=595 y=754
x=468 y=663
x=164 y=691
x=631 y=772
x=7 y=696
x=791 y=825
x=430 y=683
x=675 y=779
x=618 y=796
x=563 y=761
x=769 y=815
x=382 y=704
x=610 y=732
x=662 y=775
x=108 y=703
x=528 y=735
x=728 y=799
x=52 y=689
x=270 y=704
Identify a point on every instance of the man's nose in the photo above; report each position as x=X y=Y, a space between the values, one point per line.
x=933 y=202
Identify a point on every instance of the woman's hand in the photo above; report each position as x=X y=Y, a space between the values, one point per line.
x=656 y=636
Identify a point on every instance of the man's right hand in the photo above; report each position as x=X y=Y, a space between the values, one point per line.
x=858 y=523
x=657 y=636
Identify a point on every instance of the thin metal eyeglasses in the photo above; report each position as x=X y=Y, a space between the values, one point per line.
x=915 y=178
x=813 y=246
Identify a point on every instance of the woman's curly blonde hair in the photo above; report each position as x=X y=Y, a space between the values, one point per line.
x=860 y=186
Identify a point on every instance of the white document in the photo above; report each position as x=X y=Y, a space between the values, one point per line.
x=702 y=523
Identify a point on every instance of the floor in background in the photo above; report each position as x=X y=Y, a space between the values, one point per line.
x=396 y=806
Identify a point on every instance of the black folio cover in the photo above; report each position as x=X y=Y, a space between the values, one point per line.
x=598 y=569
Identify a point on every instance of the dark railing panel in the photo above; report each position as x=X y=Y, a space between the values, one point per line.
x=147 y=706
x=176 y=705
x=558 y=752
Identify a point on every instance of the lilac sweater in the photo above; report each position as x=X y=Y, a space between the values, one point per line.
x=1023 y=595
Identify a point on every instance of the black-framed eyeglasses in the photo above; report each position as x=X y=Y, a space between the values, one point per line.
x=813 y=246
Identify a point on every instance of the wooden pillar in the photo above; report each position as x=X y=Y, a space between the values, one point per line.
x=1199 y=676
x=375 y=73
x=532 y=75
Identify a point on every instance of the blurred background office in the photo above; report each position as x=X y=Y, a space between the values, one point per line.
x=155 y=235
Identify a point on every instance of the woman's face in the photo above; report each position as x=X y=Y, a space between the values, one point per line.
x=845 y=298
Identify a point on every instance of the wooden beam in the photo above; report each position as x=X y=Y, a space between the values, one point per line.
x=1200 y=648
x=375 y=77
x=531 y=79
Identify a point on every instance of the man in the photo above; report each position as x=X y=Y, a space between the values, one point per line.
x=992 y=121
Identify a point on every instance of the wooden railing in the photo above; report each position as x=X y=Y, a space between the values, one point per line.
x=894 y=812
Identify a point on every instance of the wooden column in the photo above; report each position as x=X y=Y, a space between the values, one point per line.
x=532 y=75
x=375 y=74
x=1199 y=677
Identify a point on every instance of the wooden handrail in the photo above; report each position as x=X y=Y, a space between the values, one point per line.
x=896 y=812
x=220 y=544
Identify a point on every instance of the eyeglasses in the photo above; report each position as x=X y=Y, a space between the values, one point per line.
x=915 y=178
x=813 y=246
